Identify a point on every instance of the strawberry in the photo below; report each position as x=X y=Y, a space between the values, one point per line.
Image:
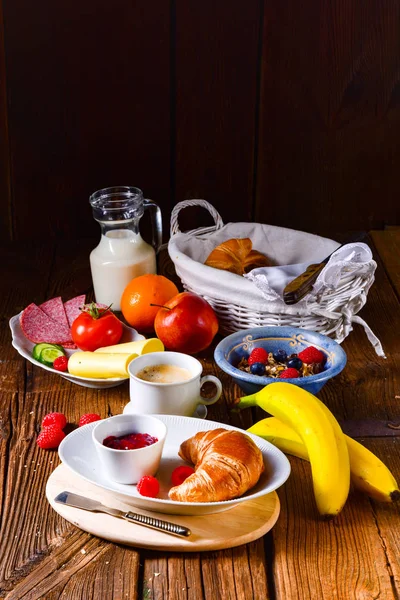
x=148 y=486
x=89 y=418
x=289 y=374
x=50 y=437
x=258 y=355
x=311 y=355
x=61 y=364
x=180 y=474
x=54 y=418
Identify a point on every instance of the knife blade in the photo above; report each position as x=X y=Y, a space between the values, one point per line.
x=302 y=284
x=77 y=501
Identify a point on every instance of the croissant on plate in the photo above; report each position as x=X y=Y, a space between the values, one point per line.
x=227 y=464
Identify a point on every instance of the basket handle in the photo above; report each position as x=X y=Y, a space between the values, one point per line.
x=195 y=202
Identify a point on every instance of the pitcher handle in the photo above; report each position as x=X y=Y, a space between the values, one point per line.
x=156 y=223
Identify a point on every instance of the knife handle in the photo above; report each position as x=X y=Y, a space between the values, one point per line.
x=301 y=285
x=157 y=524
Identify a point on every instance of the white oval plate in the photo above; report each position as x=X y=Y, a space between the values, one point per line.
x=78 y=453
x=25 y=347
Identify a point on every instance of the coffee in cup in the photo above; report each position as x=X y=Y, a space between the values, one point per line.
x=168 y=383
x=164 y=374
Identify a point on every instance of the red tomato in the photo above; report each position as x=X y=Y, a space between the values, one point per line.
x=96 y=328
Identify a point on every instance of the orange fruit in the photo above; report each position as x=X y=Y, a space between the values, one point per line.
x=140 y=294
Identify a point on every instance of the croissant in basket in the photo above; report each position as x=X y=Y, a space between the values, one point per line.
x=237 y=256
x=227 y=464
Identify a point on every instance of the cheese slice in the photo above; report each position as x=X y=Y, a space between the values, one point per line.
x=100 y=365
x=139 y=347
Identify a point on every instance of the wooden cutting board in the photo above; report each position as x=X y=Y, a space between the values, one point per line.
x=242 y=524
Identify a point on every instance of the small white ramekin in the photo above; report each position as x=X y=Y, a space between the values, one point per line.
x=128 y=466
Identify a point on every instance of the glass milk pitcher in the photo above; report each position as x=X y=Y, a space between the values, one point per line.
x=122 y=254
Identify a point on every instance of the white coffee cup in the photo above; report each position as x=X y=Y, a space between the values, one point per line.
x=177 y=398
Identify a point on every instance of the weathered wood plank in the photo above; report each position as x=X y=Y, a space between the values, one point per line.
x=341 y=559
x=224 y=575
x=25 y=268
x=90 y=90
x=329 y=115
x=81 y=567
x=216 y=100
x=387 y=515
x=6 y=229
x=387 y=244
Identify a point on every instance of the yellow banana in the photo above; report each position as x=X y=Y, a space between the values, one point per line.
x=280 y=435
x=367 y=472
x=319 y=432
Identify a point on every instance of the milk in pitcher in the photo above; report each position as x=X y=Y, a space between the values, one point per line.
x=120 y=256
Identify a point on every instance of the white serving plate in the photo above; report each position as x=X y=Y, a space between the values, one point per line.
x=25 y=347
x=78 y=453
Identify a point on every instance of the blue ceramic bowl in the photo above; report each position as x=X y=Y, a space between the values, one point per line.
x=238 y=345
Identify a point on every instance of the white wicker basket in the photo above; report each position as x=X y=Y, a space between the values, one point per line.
x=332 y=312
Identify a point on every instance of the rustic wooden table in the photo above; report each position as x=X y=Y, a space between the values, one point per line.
x=43 y=556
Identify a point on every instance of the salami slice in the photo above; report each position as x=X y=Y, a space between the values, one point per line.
x=69 y=346
x=38 y=327
x=54 y=309
x=72 y=308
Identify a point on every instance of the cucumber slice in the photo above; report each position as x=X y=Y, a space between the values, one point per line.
x=39 y=347
x=49 y=355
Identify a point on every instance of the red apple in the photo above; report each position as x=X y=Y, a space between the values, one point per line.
x=186 y=323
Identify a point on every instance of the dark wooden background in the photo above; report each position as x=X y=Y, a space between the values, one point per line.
x=278 y=111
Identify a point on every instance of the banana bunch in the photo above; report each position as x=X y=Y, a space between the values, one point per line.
x=368 y=473
x=302 y=425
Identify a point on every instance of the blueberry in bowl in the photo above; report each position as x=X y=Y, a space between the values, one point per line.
x=299 y=356
x=294 y=363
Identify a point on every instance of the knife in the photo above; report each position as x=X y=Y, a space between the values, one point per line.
x=70 y=499
x=301 y=285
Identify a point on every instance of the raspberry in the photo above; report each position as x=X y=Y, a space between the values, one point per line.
x=180 y=474
x=258 y=355
x=289 y=374
x=50 y=437
x=311 y=355
x=61 y=364
x=148 y=486
x=89 y=418
x=54 y=418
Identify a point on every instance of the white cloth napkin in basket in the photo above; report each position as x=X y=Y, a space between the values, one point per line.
x=348 y=260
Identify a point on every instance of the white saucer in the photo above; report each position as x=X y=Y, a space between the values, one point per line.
x=78 y=453
x=199 y=413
